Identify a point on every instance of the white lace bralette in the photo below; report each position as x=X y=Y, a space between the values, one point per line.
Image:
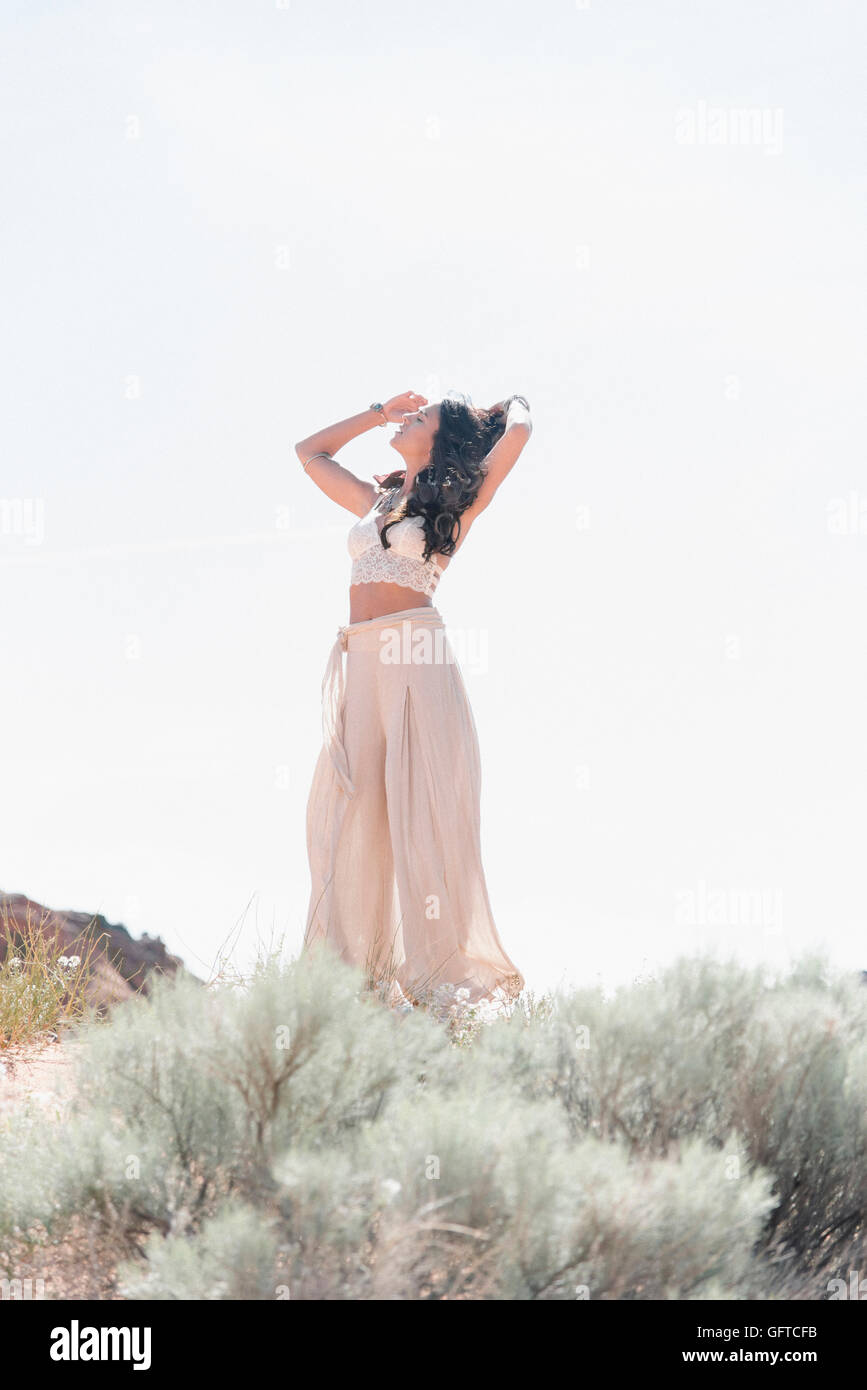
x=402 y=563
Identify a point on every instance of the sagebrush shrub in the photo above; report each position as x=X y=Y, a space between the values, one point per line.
x=708 y=1049
x=232 y=1256
x=293 y=1137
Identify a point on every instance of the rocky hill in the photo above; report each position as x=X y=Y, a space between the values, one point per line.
x=120 y=964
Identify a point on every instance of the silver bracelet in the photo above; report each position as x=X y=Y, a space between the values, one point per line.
x=323 y=454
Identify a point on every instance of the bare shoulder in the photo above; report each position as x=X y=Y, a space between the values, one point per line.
x=496 y=467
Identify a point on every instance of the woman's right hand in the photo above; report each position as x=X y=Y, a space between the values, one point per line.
x=404 y=404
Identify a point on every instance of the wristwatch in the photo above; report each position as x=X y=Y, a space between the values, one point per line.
x=377 y=405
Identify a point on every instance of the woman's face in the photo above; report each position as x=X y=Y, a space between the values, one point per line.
x=413 y=439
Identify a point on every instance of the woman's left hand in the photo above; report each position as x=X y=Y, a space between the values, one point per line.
x=504 y=405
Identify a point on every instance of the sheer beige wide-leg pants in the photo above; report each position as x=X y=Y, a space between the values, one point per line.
x=393 y=816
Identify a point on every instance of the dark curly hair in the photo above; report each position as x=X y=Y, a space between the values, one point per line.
x=449 y=482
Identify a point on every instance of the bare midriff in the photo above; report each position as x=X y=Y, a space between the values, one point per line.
x=368 y=601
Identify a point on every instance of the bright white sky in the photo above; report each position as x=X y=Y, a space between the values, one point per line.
x=227 y=224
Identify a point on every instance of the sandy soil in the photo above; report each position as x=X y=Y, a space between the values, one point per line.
x=40 y=1076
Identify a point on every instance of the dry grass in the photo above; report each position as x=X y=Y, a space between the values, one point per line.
x=41 y=988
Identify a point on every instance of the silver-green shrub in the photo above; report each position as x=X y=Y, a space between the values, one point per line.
x=294 y=1138
x=710 y=1049
x=233 y=1256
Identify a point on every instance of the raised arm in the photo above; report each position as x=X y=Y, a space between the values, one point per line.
x=502 y=458
x=315 y=453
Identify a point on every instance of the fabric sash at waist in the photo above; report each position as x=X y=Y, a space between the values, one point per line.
x=334 y=682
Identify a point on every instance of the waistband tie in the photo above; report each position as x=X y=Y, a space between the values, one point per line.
x=333 y=689
x=334 y=686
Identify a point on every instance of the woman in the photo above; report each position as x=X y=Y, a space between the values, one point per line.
x=393 y=816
